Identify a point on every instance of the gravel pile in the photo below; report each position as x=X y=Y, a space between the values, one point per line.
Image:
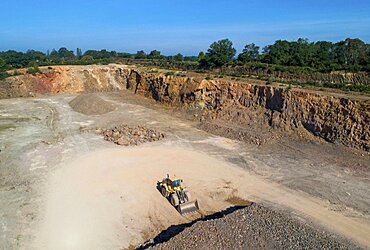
x=91 y=104
x=128 y=136
x=253 y=227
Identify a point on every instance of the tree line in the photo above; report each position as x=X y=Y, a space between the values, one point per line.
x=14 y=59
x=322 y=56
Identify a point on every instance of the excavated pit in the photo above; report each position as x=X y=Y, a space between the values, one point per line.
x=281 y=157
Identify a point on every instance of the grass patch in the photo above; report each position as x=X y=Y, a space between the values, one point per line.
x=6 y=127
x=269 y=81
x=208 y=77
x=33 y=70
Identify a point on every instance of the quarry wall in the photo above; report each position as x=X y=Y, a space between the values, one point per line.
x=333 y=117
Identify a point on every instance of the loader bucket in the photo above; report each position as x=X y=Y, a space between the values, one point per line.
x=188 y=207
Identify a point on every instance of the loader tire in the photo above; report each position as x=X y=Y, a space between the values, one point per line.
x=187 y=196
x=164 y=192
x=174 y=200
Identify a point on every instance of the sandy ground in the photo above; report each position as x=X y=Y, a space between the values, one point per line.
x=107 y=199
x=64 y=187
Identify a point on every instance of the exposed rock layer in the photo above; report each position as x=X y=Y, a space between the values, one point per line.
x=334 y=118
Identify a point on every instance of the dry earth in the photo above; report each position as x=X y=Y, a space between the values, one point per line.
x=63 y=187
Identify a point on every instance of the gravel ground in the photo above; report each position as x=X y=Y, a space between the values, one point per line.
x=253 y=227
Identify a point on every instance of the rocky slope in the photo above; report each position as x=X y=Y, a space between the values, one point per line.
x=235 y=107
x=253 y=227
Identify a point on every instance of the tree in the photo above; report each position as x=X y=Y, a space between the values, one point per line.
x=355 y=51
x=190 y=58
x=36 y=56
x=178 y=57
x=278 y=53
x=87 y=59
x=15 y=59
x=140 y=55
x=3 y=68
x=54 y=56
x=299 y=53
x=323 y=56
x=66 y=54
x=200 y=56
x=3 y=65
x=102 y=54
x=124 y=55
x=79 y=53
x=154 y=54
x=249 y=54
x=220 y=53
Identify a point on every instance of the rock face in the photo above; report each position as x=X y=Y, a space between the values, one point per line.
x=335 y=118
x=62 y=79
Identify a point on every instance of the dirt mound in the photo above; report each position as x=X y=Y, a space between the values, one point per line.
x=91 y=104
x=254 y=227
x=126 y=136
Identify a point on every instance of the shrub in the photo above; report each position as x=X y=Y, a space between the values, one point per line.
x=3 y=75
x=34 y=70
x=169 y=73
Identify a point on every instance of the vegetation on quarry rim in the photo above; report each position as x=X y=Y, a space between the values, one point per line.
x=298 y=58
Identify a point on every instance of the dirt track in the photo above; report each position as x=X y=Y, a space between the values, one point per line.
x=61 y=183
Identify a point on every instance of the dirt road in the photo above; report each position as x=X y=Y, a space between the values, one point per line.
x=64 y=187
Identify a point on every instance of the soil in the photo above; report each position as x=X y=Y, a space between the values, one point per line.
x=63 y=186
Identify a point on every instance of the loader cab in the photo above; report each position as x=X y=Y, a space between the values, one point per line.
x=176 y=183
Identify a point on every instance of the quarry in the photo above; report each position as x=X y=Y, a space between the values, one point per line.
x=272 y=167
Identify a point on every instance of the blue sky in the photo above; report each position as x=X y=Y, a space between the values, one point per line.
x=173 y=26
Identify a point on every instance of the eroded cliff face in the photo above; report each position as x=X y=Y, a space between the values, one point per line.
x=333 y=118
x=228 y=104
x=62 y=79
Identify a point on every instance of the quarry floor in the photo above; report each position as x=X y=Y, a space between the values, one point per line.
x=63 y=187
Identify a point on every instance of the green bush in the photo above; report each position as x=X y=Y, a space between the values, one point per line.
x=169 y=73
x=34 y=70
x=3 y=75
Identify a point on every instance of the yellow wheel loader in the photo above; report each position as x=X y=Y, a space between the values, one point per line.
x=179 y=197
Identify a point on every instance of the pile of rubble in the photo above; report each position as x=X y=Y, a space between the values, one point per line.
x=128 y=136
x=253 y=227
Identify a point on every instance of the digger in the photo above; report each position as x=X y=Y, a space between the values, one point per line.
x=179 y=197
